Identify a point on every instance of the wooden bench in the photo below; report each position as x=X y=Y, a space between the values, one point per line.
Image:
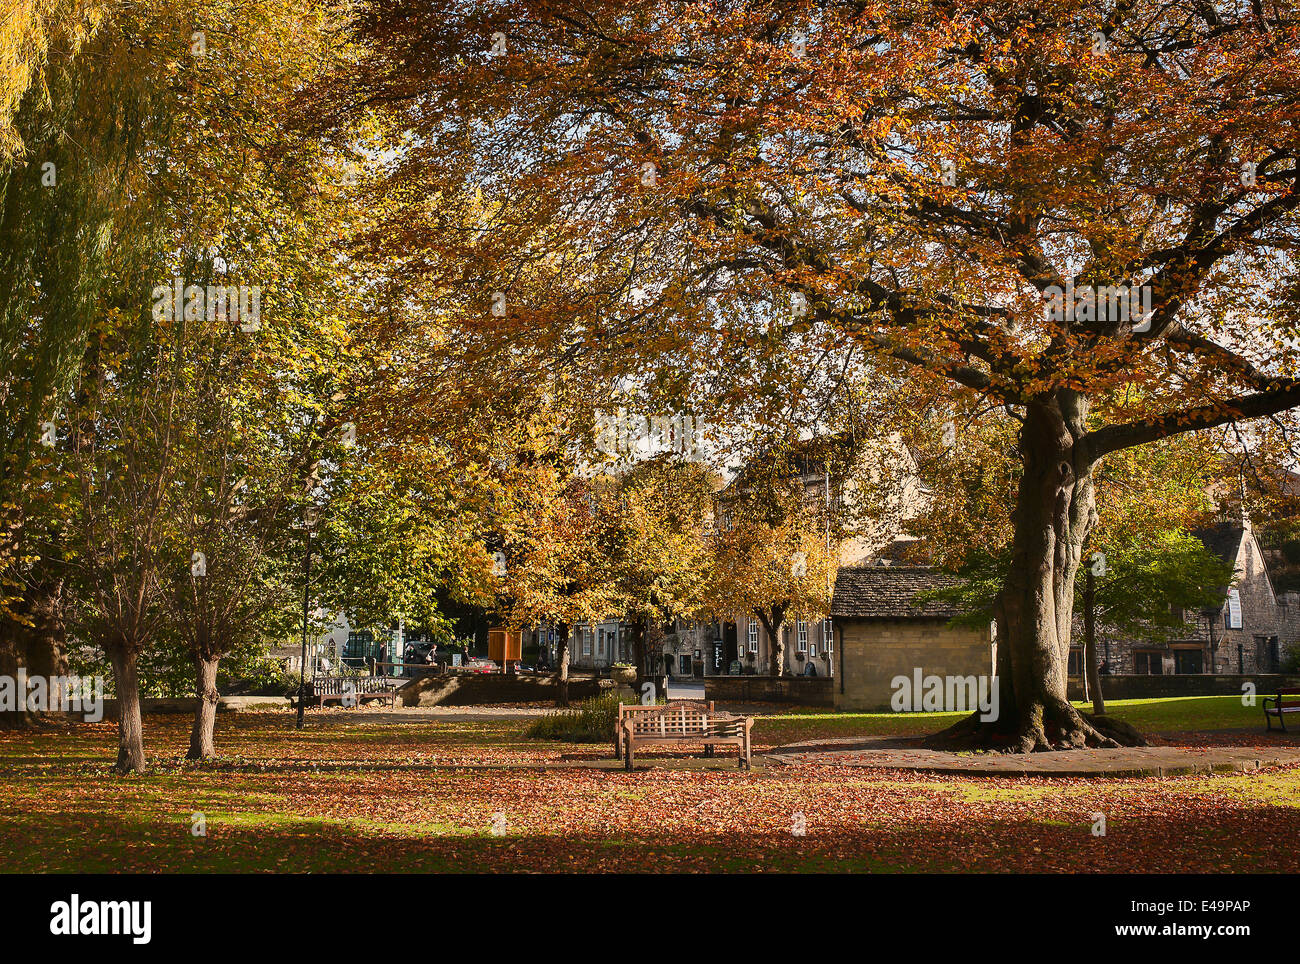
x=1281 y=706
x=339 y=689
x=629 y=710
x=686 y=723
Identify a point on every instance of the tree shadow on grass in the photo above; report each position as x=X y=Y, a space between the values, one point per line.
x=1241 y=840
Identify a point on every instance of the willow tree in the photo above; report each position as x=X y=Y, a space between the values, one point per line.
x=942 y=191
x=71 y=174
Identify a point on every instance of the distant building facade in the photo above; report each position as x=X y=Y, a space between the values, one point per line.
x=1249 y=631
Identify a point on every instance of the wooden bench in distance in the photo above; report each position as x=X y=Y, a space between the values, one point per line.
x=1281 y=706
x=681 y=723
x=336 y=689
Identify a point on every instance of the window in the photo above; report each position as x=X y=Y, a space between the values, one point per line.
x=1147 y=664
x=360 y=646
x=801 y=628
x=586 y=641
x=1232 y=616
x=685 y=663
x=828 y=635
x=1075 y=667
x=600 y=642
x=753 y=635
x=1188 y=661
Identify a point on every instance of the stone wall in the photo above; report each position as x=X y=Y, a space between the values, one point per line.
x=1153 y=687
x=472 y=689
x=876 y=651
x=800 y=690
x=1289 y=624
x=188 y=704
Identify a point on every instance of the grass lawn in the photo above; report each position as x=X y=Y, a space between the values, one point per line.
x=1173 y=715
x=353 y=792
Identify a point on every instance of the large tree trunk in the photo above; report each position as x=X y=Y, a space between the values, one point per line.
x=202 y=735
x=130 y=729
x=1053 y=516
x=562 y=666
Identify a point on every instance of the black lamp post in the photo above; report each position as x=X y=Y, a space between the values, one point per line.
x=308 y=520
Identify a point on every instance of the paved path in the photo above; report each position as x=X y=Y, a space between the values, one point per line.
x=1148 y=761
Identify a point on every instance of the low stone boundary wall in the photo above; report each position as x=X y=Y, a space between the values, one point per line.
x=473 y=689
x=188 y=704
x=1154 y=687
x=800 y=690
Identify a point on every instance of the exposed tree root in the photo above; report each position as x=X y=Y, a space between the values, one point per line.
x=1041 y=728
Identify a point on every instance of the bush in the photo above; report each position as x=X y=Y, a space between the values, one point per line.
x=592 y=721
x=266 y=678
x=1291 y=659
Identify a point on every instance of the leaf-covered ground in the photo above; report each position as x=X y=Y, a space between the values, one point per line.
x=353 y=793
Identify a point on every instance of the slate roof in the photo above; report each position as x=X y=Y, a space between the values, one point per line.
x=889 y=592
x=1223 y=539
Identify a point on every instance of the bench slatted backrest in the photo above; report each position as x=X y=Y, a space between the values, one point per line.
x=683 y=719
x=1288 y=691
x=337 y=685
x=626 y=710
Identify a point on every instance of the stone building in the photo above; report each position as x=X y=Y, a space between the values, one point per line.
x=593 y=647
x=884 y=630
x=1248 y=632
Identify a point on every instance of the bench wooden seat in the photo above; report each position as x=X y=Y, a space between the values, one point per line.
x=1286 y=701
x=685 y=722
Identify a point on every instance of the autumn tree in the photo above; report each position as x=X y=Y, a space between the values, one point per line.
x=771 y=559
x=1032 y=206
x=550 y=568
x=654 y=532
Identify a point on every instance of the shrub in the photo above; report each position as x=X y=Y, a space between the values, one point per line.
x=591 y=721
x=1291 y=659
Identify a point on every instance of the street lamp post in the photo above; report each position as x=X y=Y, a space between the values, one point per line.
x=308 y=520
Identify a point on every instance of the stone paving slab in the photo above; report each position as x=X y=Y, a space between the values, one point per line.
x=1149 y=761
